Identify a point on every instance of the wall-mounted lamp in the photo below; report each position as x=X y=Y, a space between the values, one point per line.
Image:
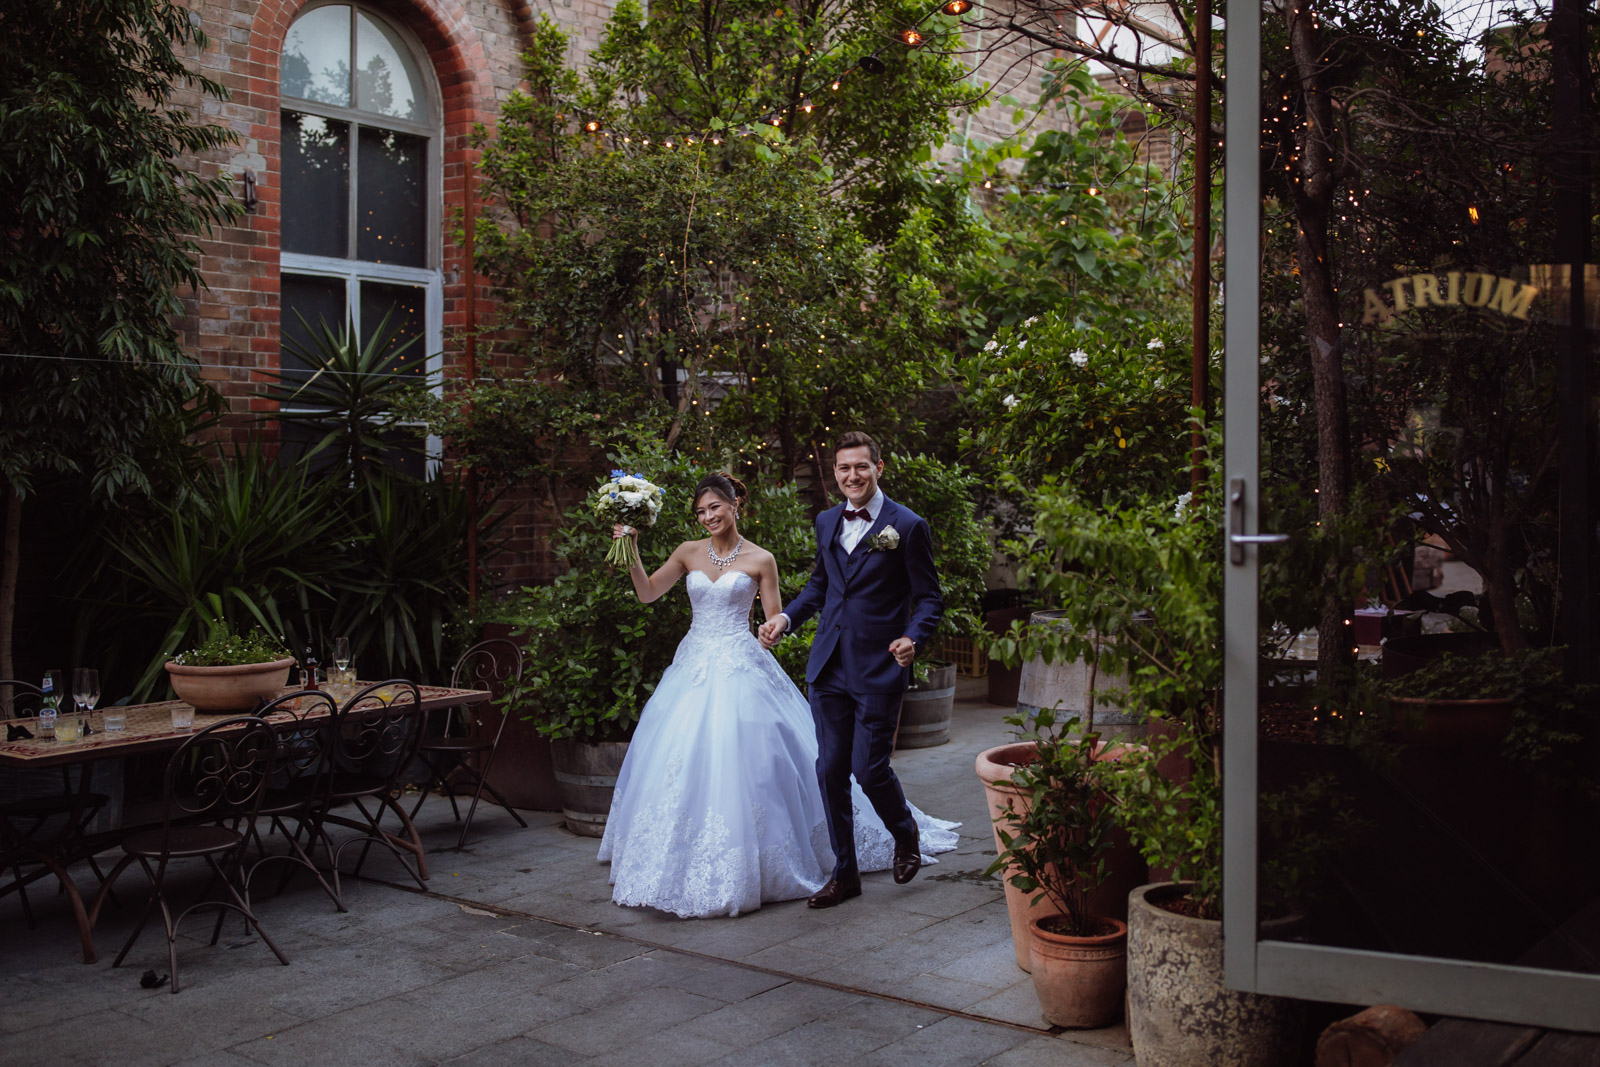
x=250 y=198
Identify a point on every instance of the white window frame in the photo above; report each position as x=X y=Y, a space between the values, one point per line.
x=355 y=271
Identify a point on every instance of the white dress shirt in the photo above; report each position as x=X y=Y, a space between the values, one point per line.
x=851 y=531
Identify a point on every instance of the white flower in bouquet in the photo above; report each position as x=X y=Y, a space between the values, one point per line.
x=632 y=500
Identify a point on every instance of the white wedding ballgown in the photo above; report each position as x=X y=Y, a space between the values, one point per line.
x=717 y=807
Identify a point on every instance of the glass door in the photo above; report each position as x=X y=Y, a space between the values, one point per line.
x=1412 y=752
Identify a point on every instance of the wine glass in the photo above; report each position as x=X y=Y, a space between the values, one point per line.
x=86 y=689
x=341 y=652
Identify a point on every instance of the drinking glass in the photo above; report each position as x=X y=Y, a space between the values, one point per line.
x=86 y=689
x=68 y=728
x=341 y=652
x=182 y=718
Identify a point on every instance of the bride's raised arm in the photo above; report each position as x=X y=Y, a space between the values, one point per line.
x=652 y=587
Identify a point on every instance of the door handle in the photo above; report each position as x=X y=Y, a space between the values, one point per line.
x=1237 y=538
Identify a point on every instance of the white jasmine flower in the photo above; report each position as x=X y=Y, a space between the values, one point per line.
x=1030 y=321
x=992 y=345
x=1182 y=506
x=1153 y=345
x=1079 y=358
x=1010 y=400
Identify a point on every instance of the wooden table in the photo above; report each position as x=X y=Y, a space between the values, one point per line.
x=149 y=729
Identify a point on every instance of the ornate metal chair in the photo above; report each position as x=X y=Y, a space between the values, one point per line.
x=210 y=797
x=451 y=751
x=298 y=791
x=375 y=740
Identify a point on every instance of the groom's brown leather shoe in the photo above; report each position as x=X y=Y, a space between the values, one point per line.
x=907 y=860
x=834 y=893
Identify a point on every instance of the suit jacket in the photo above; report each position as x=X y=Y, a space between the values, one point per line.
x=869 y=597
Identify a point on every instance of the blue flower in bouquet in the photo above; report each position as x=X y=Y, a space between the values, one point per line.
x=632 y=500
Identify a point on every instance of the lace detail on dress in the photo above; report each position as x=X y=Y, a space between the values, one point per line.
x=720 y=633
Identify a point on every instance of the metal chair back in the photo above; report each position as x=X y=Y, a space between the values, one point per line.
x=376 y=737
x=220 y=773
x=487 y=665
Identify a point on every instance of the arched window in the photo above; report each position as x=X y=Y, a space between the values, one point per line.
x=361 y=188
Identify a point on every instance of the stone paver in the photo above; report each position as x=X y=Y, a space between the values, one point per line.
x=516 y=955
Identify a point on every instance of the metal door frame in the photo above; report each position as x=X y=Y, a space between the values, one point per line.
x=1557 y=999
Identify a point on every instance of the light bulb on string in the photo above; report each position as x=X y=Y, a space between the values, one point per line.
x=957 y=8
x=805 y=104
x=911 y=38
x=835 y=85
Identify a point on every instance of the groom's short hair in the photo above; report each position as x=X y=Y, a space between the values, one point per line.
x=857 y=439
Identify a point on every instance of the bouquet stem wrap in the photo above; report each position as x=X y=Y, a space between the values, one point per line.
x=624 y=553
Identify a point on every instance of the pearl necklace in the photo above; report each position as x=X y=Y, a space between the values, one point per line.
x=723 y=562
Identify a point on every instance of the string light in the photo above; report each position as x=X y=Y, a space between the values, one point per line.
x=910 y=38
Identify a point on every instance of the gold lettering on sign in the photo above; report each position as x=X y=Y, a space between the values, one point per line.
x=1512 y=298
x=1476 y=289
x=1425 y=290
x=1507 y=296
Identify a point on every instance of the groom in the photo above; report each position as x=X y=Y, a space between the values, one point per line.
x=875 y=586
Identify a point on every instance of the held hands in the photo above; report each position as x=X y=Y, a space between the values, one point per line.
x=771 y=631
x=904 y=650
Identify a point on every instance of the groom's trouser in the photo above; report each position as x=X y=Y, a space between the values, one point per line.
x=855 y=735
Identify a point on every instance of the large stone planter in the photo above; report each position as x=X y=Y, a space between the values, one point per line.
x=926 y=710
x=586 y=776
x=1065 y=688
x=994 y=767
x=1179 y=1014
x=216 y=690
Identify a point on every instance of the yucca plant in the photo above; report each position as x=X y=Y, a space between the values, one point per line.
x=347 y=392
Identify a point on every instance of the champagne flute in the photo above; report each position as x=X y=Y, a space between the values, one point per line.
x=341 y=652
x=86 y=691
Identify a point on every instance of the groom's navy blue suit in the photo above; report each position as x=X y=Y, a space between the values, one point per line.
x=866 y=599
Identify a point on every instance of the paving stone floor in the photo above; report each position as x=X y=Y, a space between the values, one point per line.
x=516 y=955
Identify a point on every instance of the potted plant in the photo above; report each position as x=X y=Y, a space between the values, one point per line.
x=943 y=494
x=228 y=672
x=1056 y=846
x=1475 y=698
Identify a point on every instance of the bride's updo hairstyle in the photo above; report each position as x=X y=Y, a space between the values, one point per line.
x=725 y=486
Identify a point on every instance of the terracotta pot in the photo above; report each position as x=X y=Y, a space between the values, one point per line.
x=586 y=774
x=1127 y=867
x=1079 y=980
x=215 y=690
x=1427 y=721
x=1179 y=1014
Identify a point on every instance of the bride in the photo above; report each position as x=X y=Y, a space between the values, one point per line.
x=717 y=807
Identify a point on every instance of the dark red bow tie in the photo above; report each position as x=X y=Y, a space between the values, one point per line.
x=862 y=514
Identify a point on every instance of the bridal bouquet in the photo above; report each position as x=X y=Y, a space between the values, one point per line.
x=632 y=501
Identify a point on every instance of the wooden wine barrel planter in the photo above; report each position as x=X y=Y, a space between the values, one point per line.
x=586 y=775
x=926 y=710
x=1064 y=688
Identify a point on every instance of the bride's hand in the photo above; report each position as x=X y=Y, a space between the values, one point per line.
x=619 y=531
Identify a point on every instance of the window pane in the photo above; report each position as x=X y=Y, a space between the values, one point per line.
x=316 y=185
x=387 y=81
x=392 y=216
x=406 y=308
x=316 y=301
x=316 y=56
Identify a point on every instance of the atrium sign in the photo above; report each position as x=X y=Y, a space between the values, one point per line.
x=1472 y=289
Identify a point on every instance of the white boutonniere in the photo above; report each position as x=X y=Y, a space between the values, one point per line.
x=885 y=540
